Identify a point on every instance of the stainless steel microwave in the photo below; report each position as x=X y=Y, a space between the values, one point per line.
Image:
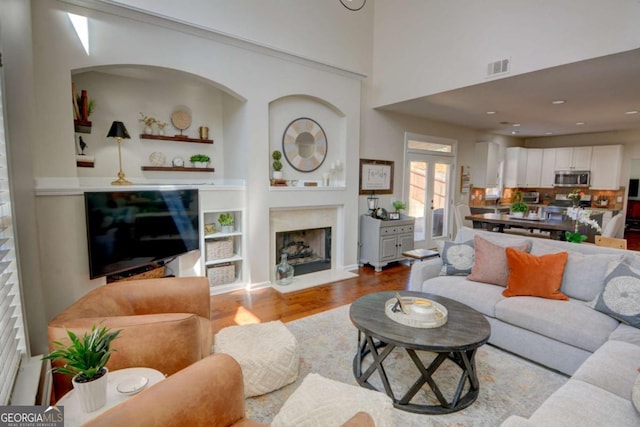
x=572 y=179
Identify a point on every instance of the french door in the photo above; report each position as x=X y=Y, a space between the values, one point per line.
x=428 y=184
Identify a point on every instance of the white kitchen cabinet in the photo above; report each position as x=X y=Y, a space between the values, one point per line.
x=382 y=242
x=548 y=169
x=534 y=167
x=606 y=163
x=573 y=158
x=515 y=167
x=484 y=173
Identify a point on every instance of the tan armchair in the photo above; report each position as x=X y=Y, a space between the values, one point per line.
x=165 y=323
x=208 y=393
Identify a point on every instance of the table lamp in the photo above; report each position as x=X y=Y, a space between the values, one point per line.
x=118 y=131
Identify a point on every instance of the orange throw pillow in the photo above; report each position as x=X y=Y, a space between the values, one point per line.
x=536 y=276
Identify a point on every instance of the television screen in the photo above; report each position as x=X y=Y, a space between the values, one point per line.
x=130 y=229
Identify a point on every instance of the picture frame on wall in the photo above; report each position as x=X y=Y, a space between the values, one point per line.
x=376 y=176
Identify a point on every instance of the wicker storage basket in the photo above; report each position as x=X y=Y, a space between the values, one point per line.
x=218 y=249
x=221 y=274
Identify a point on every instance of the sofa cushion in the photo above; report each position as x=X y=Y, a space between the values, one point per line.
x=571 y=322
x=621 y=295
x=635 y=393
x=526 y=277
x=584 y=275
x=490 y=264
x=612 y=367
x=457 y=258
x=479 y=296
x=581 y=404
x=626 y=333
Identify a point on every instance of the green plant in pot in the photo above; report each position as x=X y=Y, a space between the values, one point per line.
x=85 y=358
x=226 y=220
x=200 y=160
x=399 y=205
x=277 y=164
x=518 y=207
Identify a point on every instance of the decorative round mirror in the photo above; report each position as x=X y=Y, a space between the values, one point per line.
x=304 y=144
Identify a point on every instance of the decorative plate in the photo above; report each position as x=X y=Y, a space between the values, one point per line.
x=304 y=144
x=178 y=162
x=132 y=385
x=411 y=319
x=157 y=158
x=181 y=119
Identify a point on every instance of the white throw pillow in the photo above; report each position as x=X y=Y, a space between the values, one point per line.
x=319 y=401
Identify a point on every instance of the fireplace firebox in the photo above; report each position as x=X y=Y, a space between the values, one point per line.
x=307 y=250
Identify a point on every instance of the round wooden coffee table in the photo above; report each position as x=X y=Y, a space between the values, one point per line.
x=455 y=341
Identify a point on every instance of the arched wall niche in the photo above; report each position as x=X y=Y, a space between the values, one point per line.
x=284 y=110
x=125 y=92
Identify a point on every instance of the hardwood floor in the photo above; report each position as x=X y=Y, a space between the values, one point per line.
x=264 y=305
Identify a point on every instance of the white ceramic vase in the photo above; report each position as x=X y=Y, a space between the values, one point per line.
x=277 y=174
x=200 y=164
x=148 y=130
x=92 y=395
x=517 y=214
x=227 y=228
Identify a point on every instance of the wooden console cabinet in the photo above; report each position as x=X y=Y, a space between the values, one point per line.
x=382 y=242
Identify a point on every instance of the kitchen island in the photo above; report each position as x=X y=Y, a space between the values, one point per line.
x=555 y=227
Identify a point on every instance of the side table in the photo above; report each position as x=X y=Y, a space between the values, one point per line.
x=420 y=254
x=75 y=416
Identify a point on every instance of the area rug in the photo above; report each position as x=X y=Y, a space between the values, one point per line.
x=327 y=341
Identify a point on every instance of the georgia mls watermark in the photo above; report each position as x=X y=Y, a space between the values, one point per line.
x=31 y=416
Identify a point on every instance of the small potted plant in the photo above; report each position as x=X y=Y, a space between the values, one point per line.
x=277 y=164
x=226 y=221
x=518 y=207
x=200 y=160
x=399 y=205
x=85 y=358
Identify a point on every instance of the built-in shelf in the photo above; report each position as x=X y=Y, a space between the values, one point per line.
x=176 y=169
x=178 y=138
x=82 y=126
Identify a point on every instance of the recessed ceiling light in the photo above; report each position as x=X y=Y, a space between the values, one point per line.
x=632 y=112
x=579 y=123
x=491 y=112
x=516 y=125
x=548 y=133
x=558 y=102
x=514 y=132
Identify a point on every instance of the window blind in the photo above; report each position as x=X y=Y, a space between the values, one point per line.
x=12 y=333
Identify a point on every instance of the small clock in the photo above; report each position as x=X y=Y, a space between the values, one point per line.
x=181 y=119
x=178 y=162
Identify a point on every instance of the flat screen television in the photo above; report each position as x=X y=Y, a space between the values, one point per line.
x=132 y=229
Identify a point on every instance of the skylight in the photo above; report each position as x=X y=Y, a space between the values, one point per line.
x=81 y=25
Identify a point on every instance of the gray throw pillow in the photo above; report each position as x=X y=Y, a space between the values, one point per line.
x=457 y=258
x=620 y=298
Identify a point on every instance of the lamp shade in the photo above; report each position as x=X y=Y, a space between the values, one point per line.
x=118 y=131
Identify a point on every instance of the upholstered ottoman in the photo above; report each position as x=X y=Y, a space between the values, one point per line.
x=320 y=401
x=266 y=352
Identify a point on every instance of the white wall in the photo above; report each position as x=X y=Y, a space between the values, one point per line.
x=324 y=31
x=447 y=44
x=19 y=97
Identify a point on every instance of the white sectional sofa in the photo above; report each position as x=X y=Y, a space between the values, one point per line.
x=571 y=336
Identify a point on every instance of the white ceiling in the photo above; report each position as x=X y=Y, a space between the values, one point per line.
x=598 y=92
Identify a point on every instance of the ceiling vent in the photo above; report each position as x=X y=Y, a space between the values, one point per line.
x=498 y=67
